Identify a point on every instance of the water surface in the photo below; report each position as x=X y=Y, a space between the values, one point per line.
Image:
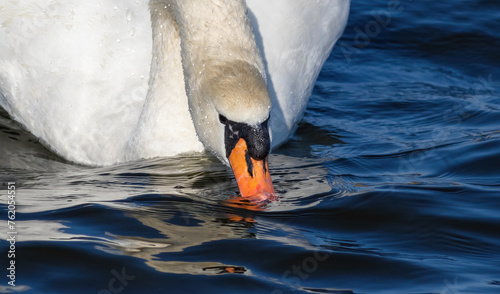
x=390 y=185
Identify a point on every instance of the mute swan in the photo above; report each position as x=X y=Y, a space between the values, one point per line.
x=106 y=81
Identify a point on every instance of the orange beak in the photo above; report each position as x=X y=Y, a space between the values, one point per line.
x=252 y=175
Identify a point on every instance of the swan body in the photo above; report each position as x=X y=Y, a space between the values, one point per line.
x=106 y=81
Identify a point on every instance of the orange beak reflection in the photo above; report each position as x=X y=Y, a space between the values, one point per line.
x=252 y=175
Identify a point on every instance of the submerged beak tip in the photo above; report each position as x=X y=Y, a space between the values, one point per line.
x=254 y=181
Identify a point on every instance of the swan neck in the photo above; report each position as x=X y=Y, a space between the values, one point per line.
x=217 y=31
x=166 y=104
x=221 y=61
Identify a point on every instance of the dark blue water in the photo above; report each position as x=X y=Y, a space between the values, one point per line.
x=390 y=185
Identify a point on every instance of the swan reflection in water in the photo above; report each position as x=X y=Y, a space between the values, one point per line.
x=179 y=204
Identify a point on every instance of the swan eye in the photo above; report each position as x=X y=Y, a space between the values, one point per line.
x=222 y=119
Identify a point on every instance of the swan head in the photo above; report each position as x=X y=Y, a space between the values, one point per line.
x=226 y=88
x=231 y=113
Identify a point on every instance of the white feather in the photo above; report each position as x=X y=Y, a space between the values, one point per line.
x=76 y=74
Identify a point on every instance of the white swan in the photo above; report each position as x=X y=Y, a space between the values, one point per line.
x=106 y=81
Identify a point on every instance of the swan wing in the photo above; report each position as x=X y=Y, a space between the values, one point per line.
x=75 y=73
x=295 y=38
